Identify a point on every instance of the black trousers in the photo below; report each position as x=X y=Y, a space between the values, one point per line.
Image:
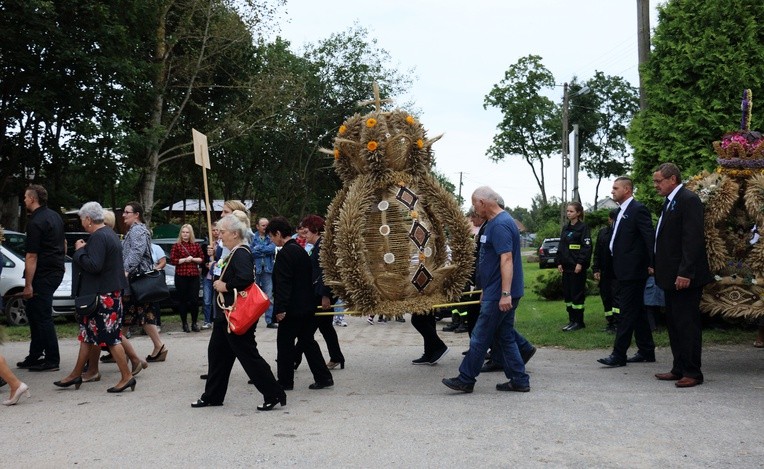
x=224 y=348
x=188 y=297
x=685 y=331
x=326 y=326
x=608 y=294
x=300 y=329
x=574 y=292
x=631 y=296
x=44 y=341
x=425 y=325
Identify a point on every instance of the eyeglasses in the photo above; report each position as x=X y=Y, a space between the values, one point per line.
x=658 y=181
x=126 y=212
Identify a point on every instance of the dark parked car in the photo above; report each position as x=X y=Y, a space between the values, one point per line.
x=547 y=251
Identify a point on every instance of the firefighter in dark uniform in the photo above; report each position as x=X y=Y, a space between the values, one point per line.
x=573 y=256
x=602 y=266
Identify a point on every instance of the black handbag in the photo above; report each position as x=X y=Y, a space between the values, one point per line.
x=85 y=305
x=148 y=287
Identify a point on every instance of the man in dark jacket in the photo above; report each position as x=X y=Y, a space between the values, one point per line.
x=681 y=270
x=632 y=248
x=602 y=266
x=294 y=308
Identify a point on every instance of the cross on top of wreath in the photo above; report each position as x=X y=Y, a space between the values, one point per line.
x=377 y=102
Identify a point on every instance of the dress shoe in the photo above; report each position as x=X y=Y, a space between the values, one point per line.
x=92 y=379
x=527 y=355
x=490 y=366
x=639 y=358
x=76 y=382
x=195 y=327
x=130 y=384
x=108 y=358
x=457 y=385
x=332 y=365
x=575 y=326
x=204 y=376
x=688 y=382
x=270 y=403
x=322 y=385
x=510 y=386
x=142 y=365
x=438 y=355
x=202 y=403
x=272 y=325
x=44 y=366
x=185 y=328
x=29 y=362
x=22 y=390
x=567 y=326
x=159 y=357
x=612 y=361
x=668 y=376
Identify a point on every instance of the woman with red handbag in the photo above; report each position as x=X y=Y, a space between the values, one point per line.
x=225 y=347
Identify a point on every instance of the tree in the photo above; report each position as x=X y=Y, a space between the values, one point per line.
x=704 y=55
x=603 y=107
x=530 y=126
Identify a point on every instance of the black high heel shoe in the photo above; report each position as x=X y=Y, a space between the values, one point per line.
x=270 y=403
x=159 y=357
x=77 y=382
x=130 y=384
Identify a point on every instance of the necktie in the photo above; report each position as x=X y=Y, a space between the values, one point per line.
x=665 y=205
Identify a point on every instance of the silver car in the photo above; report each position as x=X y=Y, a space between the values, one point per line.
x=12 y=282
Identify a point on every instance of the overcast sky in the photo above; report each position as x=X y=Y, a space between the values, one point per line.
x=459 y=50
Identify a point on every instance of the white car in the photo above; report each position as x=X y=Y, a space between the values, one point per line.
x=12 y=282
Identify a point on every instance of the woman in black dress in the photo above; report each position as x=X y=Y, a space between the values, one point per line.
x=226 y=347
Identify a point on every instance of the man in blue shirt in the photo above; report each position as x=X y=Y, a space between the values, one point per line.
x=500 y=273
x=263 y=253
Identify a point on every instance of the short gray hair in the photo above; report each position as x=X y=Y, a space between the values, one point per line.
x=92 y=210
x=234 y=223
x=486 y=193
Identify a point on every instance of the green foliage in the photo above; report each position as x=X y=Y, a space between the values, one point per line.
x=704 y=55
x=530 y=124
x=603 y=107
x=548 y=285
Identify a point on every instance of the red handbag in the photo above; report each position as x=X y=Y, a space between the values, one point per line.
x=248 y=305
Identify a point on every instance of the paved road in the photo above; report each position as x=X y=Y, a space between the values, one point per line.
x=384 y=412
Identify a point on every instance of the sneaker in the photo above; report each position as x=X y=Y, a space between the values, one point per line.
x=400 y=319
x=423 y=360
x=343 y=323
x=457 y=385
x=438 y=355
x=206 y=325
x=382 y=319
x=370 y=320
x=510 y=386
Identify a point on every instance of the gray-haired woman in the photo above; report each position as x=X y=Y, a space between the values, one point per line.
x=97 y=269
x=225 y=347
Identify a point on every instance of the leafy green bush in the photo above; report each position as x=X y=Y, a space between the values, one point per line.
x=548 y=285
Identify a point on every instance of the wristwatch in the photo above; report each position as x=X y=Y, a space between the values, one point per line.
x=505 y=293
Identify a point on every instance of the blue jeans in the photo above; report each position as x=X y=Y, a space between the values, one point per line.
x=493 y=323
x=265 y=282
x=207 y=296
x=522 y=345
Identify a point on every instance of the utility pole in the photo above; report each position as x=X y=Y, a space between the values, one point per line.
x=643 y=45
x=460 y=187
x=576 y=197
x=565 y=162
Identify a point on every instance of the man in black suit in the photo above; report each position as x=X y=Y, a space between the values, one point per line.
x=632 y=248
x=681 y=270
x=294 y=307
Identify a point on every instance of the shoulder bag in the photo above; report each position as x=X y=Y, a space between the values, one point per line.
x=149 y=286
x=85 y=305
x=248 y=305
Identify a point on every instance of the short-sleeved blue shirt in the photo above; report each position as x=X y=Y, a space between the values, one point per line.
x=501 y=235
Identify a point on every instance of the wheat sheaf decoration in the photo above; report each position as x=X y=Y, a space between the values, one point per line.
x=391 y=227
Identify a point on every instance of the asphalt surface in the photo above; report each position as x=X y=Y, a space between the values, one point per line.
x=385 y=412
